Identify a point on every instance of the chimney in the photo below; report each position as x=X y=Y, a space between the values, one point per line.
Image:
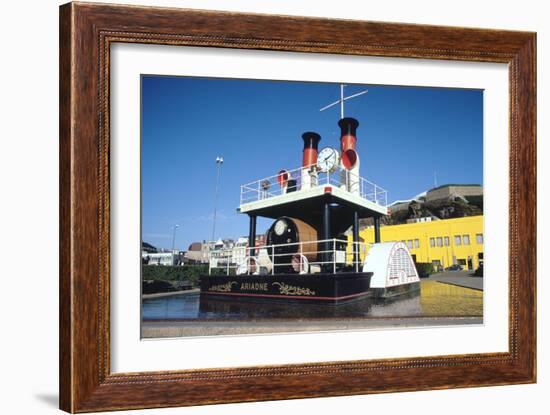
x=311 y=143
x=348 y=141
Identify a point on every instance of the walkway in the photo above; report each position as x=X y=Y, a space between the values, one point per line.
x=460 y=278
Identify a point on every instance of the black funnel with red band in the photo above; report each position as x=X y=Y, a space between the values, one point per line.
x=311 y=144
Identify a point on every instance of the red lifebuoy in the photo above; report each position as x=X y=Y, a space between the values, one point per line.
x=282 y=178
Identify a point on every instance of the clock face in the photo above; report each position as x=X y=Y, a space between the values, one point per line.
x=280 y=227
x=327 y=159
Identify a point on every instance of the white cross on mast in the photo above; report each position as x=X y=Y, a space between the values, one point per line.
x=342 y=99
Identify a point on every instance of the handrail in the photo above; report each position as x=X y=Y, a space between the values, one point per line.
x=233 y=258
x=269 y=187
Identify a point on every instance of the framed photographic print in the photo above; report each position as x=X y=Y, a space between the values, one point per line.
x=254 y=208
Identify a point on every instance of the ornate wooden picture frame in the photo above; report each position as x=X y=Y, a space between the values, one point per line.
x=87 y=32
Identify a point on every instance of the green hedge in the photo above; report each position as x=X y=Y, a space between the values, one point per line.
x=190 y=273
x=156 y=286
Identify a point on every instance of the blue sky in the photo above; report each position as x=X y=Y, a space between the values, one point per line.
x=404 y=136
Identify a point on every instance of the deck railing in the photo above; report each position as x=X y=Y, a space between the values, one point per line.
x=308 y=177
x=331 y=255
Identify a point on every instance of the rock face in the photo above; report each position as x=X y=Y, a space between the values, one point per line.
x=457 y=207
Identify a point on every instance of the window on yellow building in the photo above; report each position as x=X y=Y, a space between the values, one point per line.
x=416 y=243
x=410 y=244
x=458 y=241
x=446 y=241
x=439 y=241
x=479 y=238
x=466 y=239
x=432 y=242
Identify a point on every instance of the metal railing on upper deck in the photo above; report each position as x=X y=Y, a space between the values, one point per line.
x=331 y=255
x=308 y=177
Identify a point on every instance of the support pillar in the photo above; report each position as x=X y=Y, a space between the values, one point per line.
x=377 y=229
x=252 y=235
x=356 y=257
x=326 y=233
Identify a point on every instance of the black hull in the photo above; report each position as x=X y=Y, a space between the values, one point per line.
x=305 y=288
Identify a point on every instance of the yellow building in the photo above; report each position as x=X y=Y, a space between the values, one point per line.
x=441 y=242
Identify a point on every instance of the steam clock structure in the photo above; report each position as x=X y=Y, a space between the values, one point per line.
x=308 y=256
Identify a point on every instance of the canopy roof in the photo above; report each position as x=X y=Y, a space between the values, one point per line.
x=307 y=205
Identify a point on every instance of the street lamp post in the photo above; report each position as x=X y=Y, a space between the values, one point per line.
x=174 y=244
x=219 y=162
x=174 y=237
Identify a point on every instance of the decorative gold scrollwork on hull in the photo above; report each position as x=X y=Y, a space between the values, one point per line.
x=292 y=289
x=222 y=287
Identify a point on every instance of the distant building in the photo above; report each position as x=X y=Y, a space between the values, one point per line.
x=162 y=258
x=221 y=251
x=196 y=254
x=450 y=191
x=228 y=250
x=239 y=250
x=199 y=252
x=206 y=247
